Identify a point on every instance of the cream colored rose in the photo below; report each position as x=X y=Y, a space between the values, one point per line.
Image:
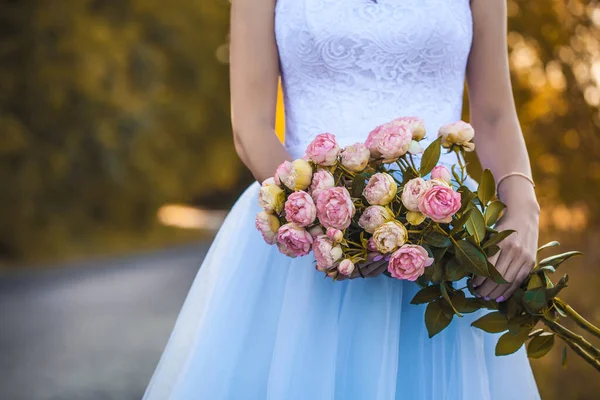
x=390 y=236
x=298 y=176
x=459 y=133
x=271 y=198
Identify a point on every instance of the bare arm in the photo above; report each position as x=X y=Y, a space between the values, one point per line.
x=254 y=72
x=499 y=142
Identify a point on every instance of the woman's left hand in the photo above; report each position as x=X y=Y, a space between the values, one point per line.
x=517 y=254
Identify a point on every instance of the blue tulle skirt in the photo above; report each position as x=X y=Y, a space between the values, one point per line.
x=259 y=325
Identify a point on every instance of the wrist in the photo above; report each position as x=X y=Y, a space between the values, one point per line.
x=518 y=193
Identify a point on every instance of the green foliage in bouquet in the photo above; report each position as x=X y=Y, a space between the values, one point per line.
x=461 y=250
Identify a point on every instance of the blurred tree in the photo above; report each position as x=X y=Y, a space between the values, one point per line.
x=108 y=109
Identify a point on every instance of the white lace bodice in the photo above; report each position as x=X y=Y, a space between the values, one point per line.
x=350 y=65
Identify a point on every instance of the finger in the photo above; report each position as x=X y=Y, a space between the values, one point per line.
x=489 y=286
x=522 y=273
x=510 y=275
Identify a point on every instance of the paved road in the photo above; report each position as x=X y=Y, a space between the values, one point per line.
x=94 y=332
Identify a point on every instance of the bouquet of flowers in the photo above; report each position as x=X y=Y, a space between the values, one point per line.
x=343 y=204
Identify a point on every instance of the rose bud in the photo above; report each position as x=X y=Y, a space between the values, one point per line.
x=381 y=189
x=459 y=133
x=267 y=224
x=323 y=150
x=390 y=236
x=409 y=262
x=373 y=217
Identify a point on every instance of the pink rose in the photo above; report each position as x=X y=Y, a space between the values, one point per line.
x=323 y=150
x=413 y=192
x=373 y=140
x=459 y=133
x=355 y=157
x=409 y=262
x=335 y=208
x=373 y=217
x=267 y=224
x=390 y=236
x=381 y=189
x=440 y=203
x=335 y=234
x=415 y=125
x=293 y=240
x=326 y=251
x=346 y=267
x=283 y=171
x=394 y=141
x=300 y=208
x=322 y=179
x=441 y=173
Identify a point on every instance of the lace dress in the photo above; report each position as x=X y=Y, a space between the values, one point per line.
x=259 y=325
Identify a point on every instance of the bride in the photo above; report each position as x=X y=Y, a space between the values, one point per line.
x=259 y=325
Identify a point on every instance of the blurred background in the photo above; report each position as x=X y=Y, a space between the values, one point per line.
x=118 y=165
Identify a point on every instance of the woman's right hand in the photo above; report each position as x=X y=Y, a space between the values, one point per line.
x=369 y=268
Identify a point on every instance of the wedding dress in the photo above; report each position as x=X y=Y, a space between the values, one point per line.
x=259 y=325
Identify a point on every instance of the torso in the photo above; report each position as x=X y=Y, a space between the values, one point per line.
x=350 y=65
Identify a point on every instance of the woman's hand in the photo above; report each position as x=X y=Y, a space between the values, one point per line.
x=517 y=254
x=369 y=268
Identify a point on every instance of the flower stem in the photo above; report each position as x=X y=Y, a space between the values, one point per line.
x=582 y=353
x=578 y=339
x=579 y=320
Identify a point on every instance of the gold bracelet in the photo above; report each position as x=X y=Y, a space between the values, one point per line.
x=522 y=175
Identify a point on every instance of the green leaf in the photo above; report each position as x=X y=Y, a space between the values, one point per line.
x=535 y=282
x=559 y=258
x=465 y=305
x=437 y=271
x=553 y=291
x=498 y=237
x=535 y=299
x=487 y=187
x=509 y=343
x=453 y=271
x=548 y=245
x=437 y=239
x=459 y=223
x=446 y=297
x=548 y=268
x=466 y=197
x=492 y=212
x=495 y=275
x=516 y=324
x=512 y=308
x=493 y=322
x=436 y=319
x=540 y=345
x=358 y=185
x=430 y=157
x=492 y=250
x=476 y=225
x=472 y=259
x=427 y=295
